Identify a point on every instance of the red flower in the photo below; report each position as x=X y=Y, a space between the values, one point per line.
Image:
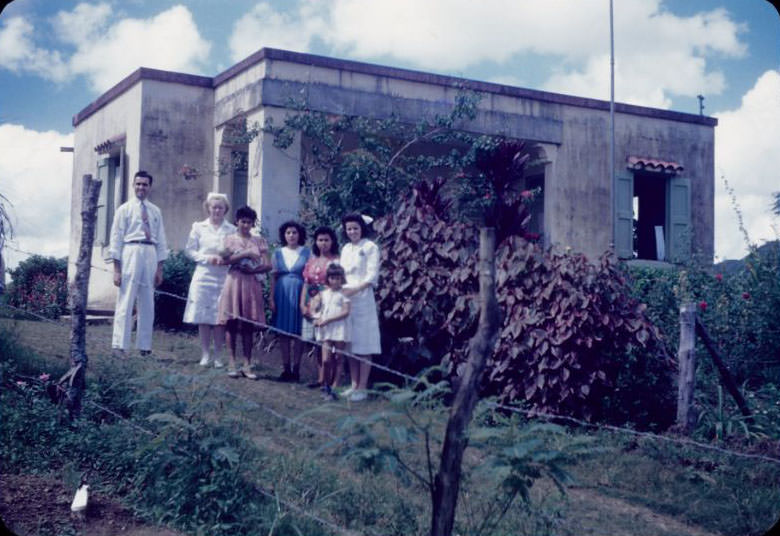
x=746 y=295
x=703 y=305
x=526 y=194
x=719 y=277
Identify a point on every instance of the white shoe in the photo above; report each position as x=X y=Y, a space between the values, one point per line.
x=358 y=396
x=218 y=363
x=347 y=392
x=205 y=360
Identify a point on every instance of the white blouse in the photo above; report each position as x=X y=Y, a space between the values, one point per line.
x=206 y=241
x=360 y=262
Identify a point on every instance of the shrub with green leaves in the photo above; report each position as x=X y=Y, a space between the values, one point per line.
x=40 y=286
x=740 y=309
x=177 y=273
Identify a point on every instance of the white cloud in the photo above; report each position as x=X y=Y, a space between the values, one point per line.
x=263 y=27
x=658 y=54
x=18 y=52
x=105 y=50
x=746 y=154
x=82 y=24
x=36 y=180
x=170 y=40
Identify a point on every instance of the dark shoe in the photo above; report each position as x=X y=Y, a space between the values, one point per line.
x=328 y=395
x=295 y=376
x=313 y=385
x=145 y=353
x=285 y=376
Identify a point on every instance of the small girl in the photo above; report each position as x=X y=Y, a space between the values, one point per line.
x=331 y=309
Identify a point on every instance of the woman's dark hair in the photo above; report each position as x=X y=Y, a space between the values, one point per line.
x=335 y=270
x=365 y=229
x=246 y=212
x=292 y=223
x=334 y=248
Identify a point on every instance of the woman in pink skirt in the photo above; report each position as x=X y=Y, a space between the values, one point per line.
x=241 y=301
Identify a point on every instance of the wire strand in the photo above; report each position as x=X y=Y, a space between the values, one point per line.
x=528 y=413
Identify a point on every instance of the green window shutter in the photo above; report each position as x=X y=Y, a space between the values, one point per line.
x=102 y=226
x=624 y=214
x=107 y=168
x=678 y=219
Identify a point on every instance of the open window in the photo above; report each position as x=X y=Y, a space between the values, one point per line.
x=652 y=212
x=234 y=160
x=111 y=172
x=533 y=178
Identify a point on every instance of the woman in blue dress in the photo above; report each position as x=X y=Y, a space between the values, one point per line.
x=286 y=284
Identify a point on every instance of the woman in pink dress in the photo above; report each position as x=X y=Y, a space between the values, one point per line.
x=241 y=304
x=325 y=251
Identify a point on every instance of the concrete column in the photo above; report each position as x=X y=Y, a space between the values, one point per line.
x=549 y=151
x=223 y=179
x=274 y=175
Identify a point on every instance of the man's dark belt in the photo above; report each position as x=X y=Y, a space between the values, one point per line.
x=144 y=242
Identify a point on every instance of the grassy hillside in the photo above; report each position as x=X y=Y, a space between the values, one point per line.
x=240 y=457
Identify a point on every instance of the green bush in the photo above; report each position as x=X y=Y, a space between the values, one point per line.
x=177 y=273
x=192 y=475
x=40 y=286
x=738 y=303
x=740 y=309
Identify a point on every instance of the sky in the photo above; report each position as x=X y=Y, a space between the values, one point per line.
x=58 y=56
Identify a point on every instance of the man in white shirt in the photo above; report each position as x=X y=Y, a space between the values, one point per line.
x=138 y=249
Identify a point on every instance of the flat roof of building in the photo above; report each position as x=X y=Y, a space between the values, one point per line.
x=145 y=73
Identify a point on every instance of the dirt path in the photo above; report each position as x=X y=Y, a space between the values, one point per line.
x=40 y=504
x=593 y=511
x=586 y=511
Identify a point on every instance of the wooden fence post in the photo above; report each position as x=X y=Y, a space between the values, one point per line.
x=686 y=356
x=725 y=376
x=90 y=190
x=447 y=481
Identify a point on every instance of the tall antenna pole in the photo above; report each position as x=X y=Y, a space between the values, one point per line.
x=612 y=121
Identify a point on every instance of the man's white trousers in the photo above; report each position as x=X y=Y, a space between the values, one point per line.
x=139 y=264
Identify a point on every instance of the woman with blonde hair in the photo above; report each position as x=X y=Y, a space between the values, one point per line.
x=204 y=246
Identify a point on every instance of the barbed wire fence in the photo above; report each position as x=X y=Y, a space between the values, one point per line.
x=530 y=414
x=252 y=403
x=408 y=380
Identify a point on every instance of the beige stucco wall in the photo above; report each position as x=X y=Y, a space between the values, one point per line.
x=166 y=126
x=577 y=187
x=177 y=130
x=118 y=117
x=171 y=121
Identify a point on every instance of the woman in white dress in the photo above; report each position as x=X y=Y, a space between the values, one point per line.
x=360 y=260
x=204 y=246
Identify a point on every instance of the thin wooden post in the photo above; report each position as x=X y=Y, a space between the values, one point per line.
x=90 y=190
x=725 y=376
x=686 y=356
x=447 y=482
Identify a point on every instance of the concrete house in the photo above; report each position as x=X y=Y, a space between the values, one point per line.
x=180 y=128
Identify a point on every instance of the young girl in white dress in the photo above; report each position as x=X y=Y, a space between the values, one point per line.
x=331 y=309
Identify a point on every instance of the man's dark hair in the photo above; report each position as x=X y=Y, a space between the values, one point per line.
x=145 y=174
